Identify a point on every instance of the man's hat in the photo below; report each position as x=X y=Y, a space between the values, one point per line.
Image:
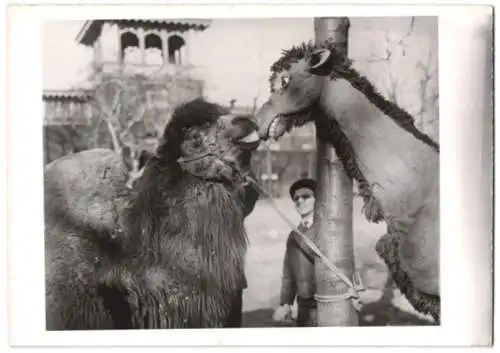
x=302 y=183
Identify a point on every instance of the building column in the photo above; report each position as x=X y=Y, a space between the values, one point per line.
x=164 y=46
x=119 y=56
x=98 y=53
x=182 y=53
x=142 y=44
x=59 y=110
x=177 y=55
x=188 y=37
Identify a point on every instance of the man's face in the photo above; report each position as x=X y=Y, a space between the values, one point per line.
x=304 y=201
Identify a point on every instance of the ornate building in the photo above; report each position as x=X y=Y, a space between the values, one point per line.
x=144 y=46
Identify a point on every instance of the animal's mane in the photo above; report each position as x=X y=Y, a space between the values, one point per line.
x=290 y=56
x=400 y=116
x=329 y=130
x=297 y=53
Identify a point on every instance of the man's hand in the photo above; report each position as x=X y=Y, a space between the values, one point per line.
x=283 y=313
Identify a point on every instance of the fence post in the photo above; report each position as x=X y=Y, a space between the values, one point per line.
x=333 y=211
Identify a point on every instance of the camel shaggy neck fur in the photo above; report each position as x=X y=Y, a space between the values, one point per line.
x=189 y=258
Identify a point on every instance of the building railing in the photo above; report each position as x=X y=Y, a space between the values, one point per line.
x=151 y=69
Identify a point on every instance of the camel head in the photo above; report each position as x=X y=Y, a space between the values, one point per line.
x=208 y=141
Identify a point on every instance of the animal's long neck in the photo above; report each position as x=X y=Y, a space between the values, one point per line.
x=388 y=155
x=390 y=109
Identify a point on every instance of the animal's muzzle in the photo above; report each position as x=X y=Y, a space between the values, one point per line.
x=265 y=117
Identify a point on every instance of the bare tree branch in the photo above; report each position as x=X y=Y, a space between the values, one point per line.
x=116 y=144
x=376 y=59
x=408 y=33
x=95 y=136
x=424 y=81
x=107 y=115
x=426 y=89
x=391 y=87
x=123 y=101
x=391 y=46
x=387 y=54
x=134 y=121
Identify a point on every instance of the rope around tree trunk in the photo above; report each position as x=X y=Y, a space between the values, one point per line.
x=352 y=293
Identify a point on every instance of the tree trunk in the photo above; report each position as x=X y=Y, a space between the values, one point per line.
x=333 y=211
x=114 y=139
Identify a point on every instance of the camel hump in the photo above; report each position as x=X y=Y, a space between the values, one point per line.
x=86 y=189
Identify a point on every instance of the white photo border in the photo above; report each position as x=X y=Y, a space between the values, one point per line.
x=465 y=120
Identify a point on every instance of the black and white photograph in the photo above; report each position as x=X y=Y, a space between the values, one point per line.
x=246 y=172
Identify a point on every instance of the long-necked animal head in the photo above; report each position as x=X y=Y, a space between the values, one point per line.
x=296 y=80
x=208 y=141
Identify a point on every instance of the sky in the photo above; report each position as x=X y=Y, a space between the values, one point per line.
x=235 y=53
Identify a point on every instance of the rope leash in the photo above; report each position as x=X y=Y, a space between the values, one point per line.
x=352 y=293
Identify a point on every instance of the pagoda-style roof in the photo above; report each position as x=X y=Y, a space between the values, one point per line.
x=92 y=29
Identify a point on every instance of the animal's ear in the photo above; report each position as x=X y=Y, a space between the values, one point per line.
x=320 y=62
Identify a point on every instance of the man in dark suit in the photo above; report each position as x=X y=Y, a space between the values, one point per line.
x=298 y=279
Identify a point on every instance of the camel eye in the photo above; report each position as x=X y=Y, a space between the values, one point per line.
x=285 y=81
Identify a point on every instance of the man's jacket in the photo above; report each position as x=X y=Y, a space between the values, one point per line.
x=298 y=268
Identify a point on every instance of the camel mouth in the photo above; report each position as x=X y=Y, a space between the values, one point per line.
x=249 y=142
x=250 y=138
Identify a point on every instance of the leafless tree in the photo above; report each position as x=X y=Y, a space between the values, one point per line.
x=390 y=49
x=132 y=108
x=425 y=109
x=428 y=94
